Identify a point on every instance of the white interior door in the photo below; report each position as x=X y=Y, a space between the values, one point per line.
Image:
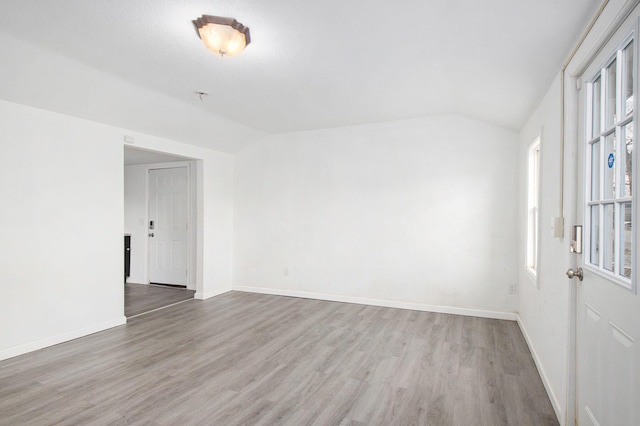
x=168 y=226
x=608 y=306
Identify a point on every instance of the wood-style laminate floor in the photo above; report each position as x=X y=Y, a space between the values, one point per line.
x=245 y=359
x=141 y=298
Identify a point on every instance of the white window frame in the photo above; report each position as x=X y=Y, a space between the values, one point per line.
x=621 y=119
x=533 y=208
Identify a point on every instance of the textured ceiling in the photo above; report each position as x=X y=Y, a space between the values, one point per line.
x=319 y=64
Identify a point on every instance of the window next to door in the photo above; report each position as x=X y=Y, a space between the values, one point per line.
x=609 y=165
x=533 y=197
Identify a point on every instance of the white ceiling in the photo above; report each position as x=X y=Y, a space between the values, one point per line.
x=310 y=64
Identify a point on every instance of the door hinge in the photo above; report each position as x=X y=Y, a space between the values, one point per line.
x=578 y=84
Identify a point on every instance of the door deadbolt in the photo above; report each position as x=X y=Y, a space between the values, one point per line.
x=575 y=274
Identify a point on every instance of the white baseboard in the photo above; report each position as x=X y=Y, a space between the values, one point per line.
x=552 y=397
x=60 y=338
x=208 y=294
x=384 y=303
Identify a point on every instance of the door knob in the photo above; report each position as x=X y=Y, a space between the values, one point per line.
x=575 y=274
x=151 y=234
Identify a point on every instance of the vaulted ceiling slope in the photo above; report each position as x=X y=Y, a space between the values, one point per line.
x=310 y=64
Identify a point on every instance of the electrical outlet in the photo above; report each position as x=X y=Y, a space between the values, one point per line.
x=512 y=289
x=285 y=272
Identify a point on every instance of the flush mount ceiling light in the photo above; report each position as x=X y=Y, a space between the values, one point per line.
x=223 y=36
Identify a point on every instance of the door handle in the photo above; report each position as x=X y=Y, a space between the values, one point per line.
x=151 y=234
x=575 y=274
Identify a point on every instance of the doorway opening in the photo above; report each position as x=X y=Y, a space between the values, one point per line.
x=160 y=228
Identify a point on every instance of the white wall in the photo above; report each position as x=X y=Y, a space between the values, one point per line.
x=135 y=213
x=61 y=219
x=418 y=212
x=61 y=267
x=543 y=305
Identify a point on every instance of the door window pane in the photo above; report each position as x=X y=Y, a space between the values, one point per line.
x=610 y=109
x=609 y=160
x=625 y=240
x=609 y=237
x=595 y=235
x=609 y=144
x=628 y=78
x=595 y=108
x=595 y=171
x=627 y=167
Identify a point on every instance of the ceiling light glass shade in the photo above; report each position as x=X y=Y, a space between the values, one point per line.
x=224 y=36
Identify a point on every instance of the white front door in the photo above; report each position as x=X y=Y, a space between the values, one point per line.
x=168 y=222
x=608 y=306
